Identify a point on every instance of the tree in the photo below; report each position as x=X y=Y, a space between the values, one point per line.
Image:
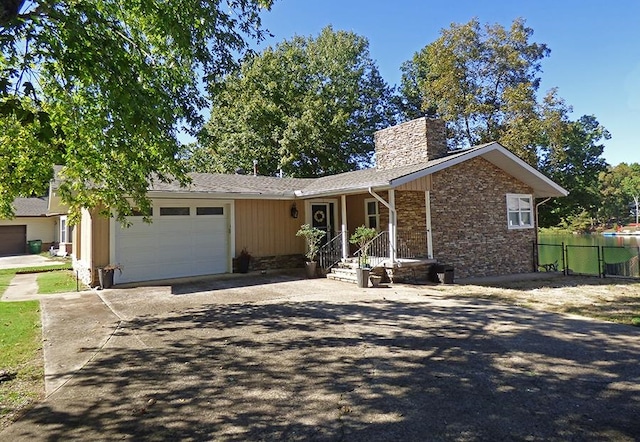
x=103 y=87
x=572 y=156
x=482 y=81
x=620 y=190
x=307 y=107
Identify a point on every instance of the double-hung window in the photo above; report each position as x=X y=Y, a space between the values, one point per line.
x=372 y=214
x=519 y=211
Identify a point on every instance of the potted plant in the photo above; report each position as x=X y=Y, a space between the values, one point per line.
x=243 y=260
x=105 y=275
x=313 y=236
x=362 y=237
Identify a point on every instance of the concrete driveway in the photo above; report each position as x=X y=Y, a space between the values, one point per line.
x=285 y=359
x=20 y=261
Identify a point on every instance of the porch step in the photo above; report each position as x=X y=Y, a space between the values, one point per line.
x=343 y=273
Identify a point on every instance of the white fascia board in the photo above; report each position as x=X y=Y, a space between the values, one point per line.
x=548 y=187
x=501 y=157
x=338 y=192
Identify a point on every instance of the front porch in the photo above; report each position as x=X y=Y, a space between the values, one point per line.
x=396 y=255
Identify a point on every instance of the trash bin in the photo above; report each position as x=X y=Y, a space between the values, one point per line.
x=445 y=274
x=35 y=246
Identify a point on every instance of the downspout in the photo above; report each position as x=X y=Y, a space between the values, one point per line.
x=427 y=198
x=392 y=224
x=537 y=206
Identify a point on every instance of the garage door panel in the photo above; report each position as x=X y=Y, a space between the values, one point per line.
x=13 y=240
x=173 y=247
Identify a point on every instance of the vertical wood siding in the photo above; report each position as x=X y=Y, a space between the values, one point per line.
x=100 y=235
x=266 y=228
x=422 y=184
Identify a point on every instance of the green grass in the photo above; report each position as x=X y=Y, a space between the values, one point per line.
x=42 y=269
x=21 y=350
x=5 y=279
x=61 y=281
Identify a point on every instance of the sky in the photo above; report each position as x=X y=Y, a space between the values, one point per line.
x=595 y=46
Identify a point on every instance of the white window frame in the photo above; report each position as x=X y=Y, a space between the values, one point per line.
x=520 y=211
x=64 y=230
x=368 y=216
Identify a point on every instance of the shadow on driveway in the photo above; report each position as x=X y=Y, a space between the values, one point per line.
x=404 y=368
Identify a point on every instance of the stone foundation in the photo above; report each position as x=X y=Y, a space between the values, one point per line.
x=273 y=262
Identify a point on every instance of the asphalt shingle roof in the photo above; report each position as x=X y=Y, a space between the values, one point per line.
x=31 y=206
x=236 y=184
x=359 y=180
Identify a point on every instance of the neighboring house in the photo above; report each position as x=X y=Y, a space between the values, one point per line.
x=473 y=209
x=32 y=221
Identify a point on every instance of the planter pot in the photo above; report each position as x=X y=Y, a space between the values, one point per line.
x=243 y=263
x=311 y=268
x=375 y=280
x=105 y=277
x=363 y=277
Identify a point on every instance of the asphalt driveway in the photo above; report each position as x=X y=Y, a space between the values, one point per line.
x=286 y=359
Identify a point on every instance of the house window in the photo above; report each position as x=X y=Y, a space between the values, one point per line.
x=519 y=211
x=63 y=229
x=138 y=212
x=210 y=211
x=174 y=211
x=372 y=214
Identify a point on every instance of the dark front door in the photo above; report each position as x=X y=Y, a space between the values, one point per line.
x=321 y=218
x=13 y=240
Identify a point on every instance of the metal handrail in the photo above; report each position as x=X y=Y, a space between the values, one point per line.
x=377 y=251
x=412 y=244
x=331 y=253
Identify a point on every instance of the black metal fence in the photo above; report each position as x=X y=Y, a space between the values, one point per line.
x=591 y=260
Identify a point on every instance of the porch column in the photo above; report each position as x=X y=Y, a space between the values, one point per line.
x=393 y=224
x=345 y=242
x=427 y=204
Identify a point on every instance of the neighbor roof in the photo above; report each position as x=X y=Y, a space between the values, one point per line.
x=31 y=207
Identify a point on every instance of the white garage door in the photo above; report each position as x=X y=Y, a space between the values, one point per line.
x=181 y=241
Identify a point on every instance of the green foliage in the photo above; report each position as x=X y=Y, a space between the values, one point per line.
x=103 y=88
x=362 y=236
x=484 y=81
x=578 y=223
x=313 y=236
x=481 y=80
x=575 y=163
x=619 y=186
x=308 y=107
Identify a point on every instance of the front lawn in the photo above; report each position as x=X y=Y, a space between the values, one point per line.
x=58 y=282
x=5 y=279
x=21 y=364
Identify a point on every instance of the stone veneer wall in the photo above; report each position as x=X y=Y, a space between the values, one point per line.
x=412 y=142
x=469 y=221
x=273 y=262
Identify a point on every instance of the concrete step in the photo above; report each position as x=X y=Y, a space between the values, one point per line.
x=342 y=278
x=343 y=271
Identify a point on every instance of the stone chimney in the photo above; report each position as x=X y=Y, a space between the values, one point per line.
x=412 y=142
